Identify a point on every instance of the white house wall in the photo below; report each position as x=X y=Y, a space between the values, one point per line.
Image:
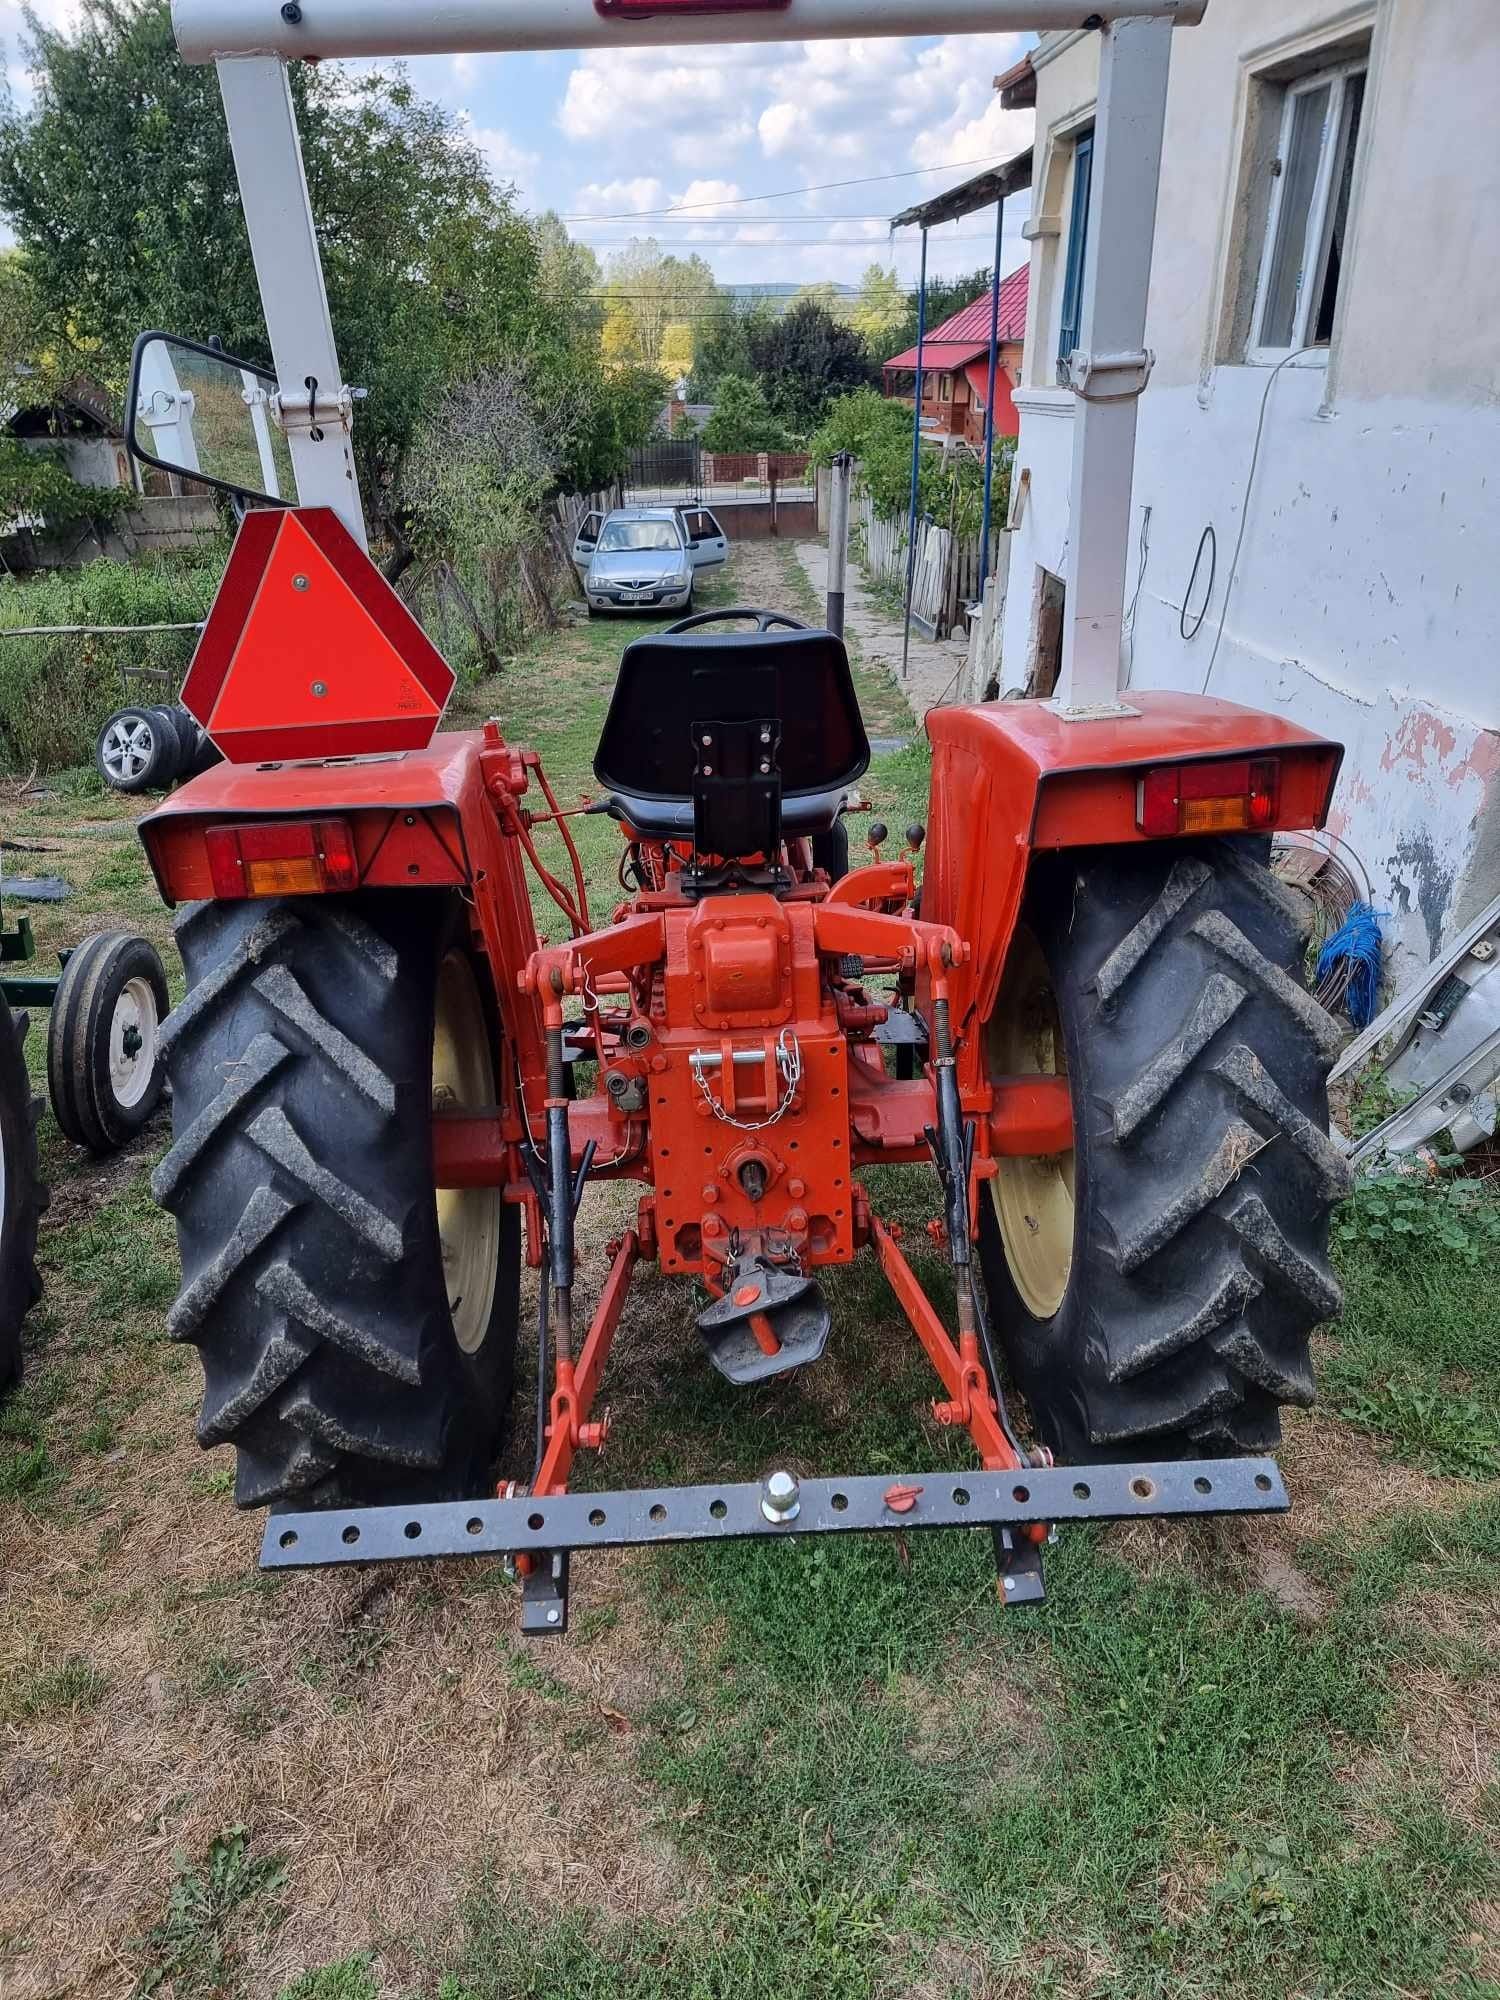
x=1366 y=599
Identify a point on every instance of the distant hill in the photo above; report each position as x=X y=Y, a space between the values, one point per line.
x=774 y=291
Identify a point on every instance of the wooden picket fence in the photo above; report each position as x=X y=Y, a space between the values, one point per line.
x=947 y=571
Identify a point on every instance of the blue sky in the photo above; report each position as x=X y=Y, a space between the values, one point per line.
x=610 y=139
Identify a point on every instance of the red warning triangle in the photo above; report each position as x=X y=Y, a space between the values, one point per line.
x=308 y=652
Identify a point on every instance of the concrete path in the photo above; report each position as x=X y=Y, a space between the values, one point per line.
x=936 y=670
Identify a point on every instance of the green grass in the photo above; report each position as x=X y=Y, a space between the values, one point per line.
x=72 y=1688
x=1416 y=1358
x=868 y=1768
x=349 y=1979
x=195 y=1951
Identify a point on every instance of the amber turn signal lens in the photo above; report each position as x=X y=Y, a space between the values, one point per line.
x=1229 y=795
x=305 y=857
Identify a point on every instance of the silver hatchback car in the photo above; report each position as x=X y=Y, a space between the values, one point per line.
x=642 y=558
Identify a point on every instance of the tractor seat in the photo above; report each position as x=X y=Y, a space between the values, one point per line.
x=671 y=681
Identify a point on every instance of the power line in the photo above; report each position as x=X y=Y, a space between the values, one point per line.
x=781 y=194
x=787 y=243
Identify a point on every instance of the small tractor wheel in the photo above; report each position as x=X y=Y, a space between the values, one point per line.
x=22 y=1196
x=357 y=1326
x=1156 y=1287
x=104 y=1060
x=136 y=751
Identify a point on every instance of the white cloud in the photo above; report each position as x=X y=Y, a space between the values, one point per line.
x=506 y=160
x=623 y=197
x=708 y=199
x=777 y=116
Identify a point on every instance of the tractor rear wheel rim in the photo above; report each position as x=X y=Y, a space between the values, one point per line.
x=469 y=1219
x=132 y=1043
x=1033 y=1195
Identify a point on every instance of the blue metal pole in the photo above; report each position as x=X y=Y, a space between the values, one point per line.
x=916 y=459
x=989 y=407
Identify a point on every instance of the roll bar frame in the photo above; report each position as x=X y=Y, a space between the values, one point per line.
x=252 y=41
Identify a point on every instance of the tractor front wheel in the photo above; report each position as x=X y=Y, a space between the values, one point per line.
x=1155 y=1288
x=356 y=1325
x=22 y=1196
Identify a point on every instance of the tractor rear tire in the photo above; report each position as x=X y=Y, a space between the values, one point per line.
x=1155 y=1289
x=22 y=1196
x=315 y=1038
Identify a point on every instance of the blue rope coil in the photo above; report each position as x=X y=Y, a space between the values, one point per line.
x=1351 y=958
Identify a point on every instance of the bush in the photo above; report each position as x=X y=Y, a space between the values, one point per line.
x=36 y=486
x=878 y=432
x=56 y=692
x=742 y=420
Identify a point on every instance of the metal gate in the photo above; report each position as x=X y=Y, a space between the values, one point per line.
x=665 y=469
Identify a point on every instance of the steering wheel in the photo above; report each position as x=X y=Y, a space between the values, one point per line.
x=764 y=620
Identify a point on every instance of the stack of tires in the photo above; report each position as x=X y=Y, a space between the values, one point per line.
x=146 y=749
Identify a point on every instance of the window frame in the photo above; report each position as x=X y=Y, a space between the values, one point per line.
x=1075 y=249
x=1335 y=78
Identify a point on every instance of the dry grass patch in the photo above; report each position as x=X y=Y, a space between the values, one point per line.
x=384 y=1737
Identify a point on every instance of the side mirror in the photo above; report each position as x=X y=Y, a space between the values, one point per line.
x=197 y=411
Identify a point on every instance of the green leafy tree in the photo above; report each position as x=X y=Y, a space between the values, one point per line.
x=120 y=188
x=728 y=329
x=879 y=312
x=945 y=297
x=569 y=273
x=742 y=419
x=804 y=360
x=646 y=293
x=878 y=432
x=35 y=486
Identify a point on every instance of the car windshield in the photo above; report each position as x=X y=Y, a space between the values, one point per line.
x=622 y=535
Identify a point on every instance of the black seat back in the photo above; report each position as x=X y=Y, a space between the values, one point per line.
x=671 y=680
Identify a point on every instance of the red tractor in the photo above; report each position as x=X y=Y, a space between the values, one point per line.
x=1087 y=1018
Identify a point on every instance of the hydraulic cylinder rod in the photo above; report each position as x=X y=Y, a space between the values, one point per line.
x=207 y=29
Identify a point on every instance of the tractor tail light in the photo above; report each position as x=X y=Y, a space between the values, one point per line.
x=1234 y=795
x=642 y=10
x=298 y=857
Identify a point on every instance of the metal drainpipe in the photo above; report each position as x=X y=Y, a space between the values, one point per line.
x=916 y=459
x=989 y=408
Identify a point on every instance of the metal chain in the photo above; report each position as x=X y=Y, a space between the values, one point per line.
x=788 y=1061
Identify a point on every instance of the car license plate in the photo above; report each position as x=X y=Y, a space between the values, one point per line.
x=635 y=596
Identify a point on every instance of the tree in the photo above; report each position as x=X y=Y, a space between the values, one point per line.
x=826 y=295
x=741 y=420
x=804 y=360
x=646 y=292
x=676 y=354
x=878 y=433
x=945 y=297
x=879 y=312
x=569 y=272
x=35 y=485
x=122 y=194
x=728 y=328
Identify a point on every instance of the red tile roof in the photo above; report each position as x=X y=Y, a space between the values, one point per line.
x=967 y=333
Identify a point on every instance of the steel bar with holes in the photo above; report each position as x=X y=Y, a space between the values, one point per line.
x=726 y=1513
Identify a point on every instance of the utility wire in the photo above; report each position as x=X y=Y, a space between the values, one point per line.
x=780 y=194
x=1239 y=540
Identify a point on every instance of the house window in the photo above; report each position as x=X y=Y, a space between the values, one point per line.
x=1078 y=243
x=1307 y=219
x=945 y=389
